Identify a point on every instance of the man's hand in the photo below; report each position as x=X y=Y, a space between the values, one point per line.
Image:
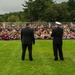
x=33 y=43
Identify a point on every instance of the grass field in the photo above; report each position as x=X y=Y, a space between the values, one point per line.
x=43 y=63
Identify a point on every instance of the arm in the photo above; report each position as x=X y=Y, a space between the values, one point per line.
x=53 y=33
x=21 y=35
x=33 y=38
x=62 y=32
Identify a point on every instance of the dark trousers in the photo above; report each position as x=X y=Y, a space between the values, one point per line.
x=58 y=49
x=24 y=46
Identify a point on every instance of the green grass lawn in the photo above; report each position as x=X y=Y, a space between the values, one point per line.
x=43 y=63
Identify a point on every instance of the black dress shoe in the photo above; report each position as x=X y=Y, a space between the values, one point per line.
x=31 y=59
x=22 y=59
x=62 y=59
x=55 y=59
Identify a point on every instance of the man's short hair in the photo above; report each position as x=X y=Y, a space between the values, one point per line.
x=27 y=24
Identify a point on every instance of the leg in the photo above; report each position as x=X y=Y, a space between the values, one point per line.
x=24 y=46
x=55 y=51
x=60 y=52
x=30 y=51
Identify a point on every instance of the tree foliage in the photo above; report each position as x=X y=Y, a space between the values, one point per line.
x=13 y=19
x=1 y=19
x=42 y=10
x=35 y=9
x=71 y=5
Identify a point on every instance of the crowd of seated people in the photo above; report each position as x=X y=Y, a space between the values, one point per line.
x=69 y=32
x=10 y=32
x=13 y=32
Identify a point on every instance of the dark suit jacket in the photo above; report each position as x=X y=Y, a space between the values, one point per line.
x=57 y=34
x=27 y=36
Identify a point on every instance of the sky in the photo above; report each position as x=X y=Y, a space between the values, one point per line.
x=7 y=6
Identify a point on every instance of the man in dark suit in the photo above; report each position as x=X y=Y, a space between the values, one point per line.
x=27 y=39
x=57 y=34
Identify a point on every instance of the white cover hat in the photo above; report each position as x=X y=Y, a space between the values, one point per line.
x=58 y=23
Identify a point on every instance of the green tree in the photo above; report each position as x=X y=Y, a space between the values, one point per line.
x=71 y=9
x=36 y=9
x=72 y=15
x=50 y=13
x=63 y=13
x=28 y=10
x=13 y=18
x=71 y=5
x=1 y=19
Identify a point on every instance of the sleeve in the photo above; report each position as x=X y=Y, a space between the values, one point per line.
x=53 y=33
x=33 y=38
x=21 y=34
x=62 y=32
